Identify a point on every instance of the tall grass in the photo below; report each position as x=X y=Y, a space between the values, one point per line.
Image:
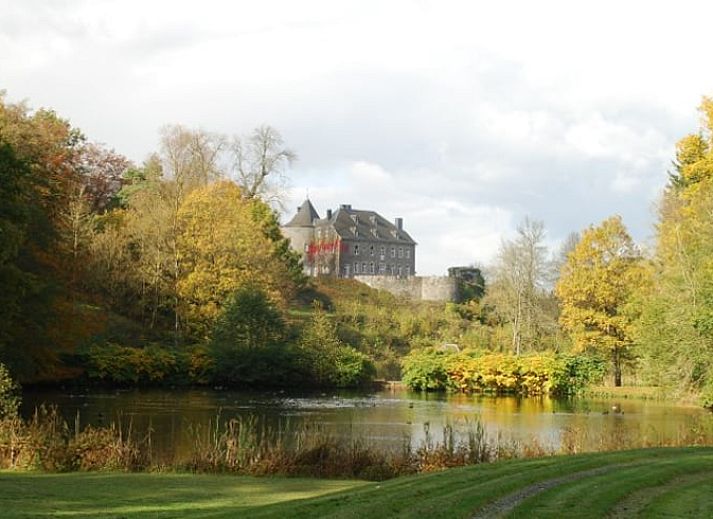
x=248 y=446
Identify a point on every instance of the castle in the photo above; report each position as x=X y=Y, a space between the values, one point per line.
x=363 y=245
x=351 y=243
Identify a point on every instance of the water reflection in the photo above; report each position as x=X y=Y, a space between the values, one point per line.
x=385 y=417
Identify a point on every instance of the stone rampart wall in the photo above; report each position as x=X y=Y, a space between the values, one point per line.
x=418 y=288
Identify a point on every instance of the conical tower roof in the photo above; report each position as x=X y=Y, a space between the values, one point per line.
x=305 y=217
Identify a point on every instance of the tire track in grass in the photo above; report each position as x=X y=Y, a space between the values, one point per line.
x=639 y=500
x=508 y=503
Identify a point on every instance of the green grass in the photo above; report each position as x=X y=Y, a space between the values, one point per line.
x=125 y=495
x=646 y=483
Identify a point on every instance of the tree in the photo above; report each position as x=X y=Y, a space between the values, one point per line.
x=259 y=161
x=102 y=175
x=519 y=280
x=40 y=168
x=225 y=245
x=190 y=159
x=247 y=342
x=326 y=359
x=595 y=285
x=675 y=332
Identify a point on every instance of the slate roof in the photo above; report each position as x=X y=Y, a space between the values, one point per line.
x=352 y=224
x=305 y=217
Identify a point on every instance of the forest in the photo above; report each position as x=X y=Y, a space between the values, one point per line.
x=174 y=271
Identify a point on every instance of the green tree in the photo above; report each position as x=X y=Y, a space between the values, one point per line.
x=326 y=359
x=595 y=286
x=248 y=340
x=675 y=332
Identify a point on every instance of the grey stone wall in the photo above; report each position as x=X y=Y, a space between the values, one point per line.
x=417 y=288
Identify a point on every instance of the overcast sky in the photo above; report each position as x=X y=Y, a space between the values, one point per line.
x=462 y=118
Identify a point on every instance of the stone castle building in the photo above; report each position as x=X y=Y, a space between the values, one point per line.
x=351 y=243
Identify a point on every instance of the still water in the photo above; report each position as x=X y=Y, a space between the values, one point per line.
x=385 y=418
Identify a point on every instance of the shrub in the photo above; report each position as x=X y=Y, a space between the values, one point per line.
x=707 y=394
x=425 y=370
x=126 y=365
x=326 y=361
x=498 y=373
x=573 y=373
x=9 y=401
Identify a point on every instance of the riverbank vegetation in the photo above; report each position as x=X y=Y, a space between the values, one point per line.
x=642 y=483
x=248 y=446
x=175 y=272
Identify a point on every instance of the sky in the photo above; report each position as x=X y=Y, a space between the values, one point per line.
x=461 y=117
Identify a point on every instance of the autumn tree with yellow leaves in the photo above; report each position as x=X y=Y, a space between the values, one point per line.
x=595 y=286
x=223 y=248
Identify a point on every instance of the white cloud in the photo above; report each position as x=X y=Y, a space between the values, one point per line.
x=462 y=117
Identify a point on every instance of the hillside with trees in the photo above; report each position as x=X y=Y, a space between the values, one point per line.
x=174 y=271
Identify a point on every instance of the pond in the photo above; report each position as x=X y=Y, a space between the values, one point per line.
x=385 y=418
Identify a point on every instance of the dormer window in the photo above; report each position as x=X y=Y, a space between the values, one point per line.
x=372 y=218
x=374 y=233
x=355 y=217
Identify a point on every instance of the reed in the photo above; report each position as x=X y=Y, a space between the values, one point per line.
x=248 y=446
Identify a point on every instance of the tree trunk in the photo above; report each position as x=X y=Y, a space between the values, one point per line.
x=617 y=368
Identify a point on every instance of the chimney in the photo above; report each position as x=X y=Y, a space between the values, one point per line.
x=348 y=207
x=329 y=214
x=399 y=222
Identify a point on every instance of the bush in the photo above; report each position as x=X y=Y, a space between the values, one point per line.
x=127 y=365
x=575 y=372
x=9 y=401
x=498 y=373
x=326 y=361
x=425 y=370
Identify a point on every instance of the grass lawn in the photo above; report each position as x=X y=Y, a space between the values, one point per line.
x=645 y=483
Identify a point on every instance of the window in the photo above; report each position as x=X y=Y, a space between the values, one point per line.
x=401 y=252
x=363 y=268
x=371 y=250
x=372 y=268
x=382 y=253
x=407 y=271
x=356 y=250
x=408 y=253
x=399 y=270
x=382 y=269
x=393 y=252
x=347 y=270
x=356 y=268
